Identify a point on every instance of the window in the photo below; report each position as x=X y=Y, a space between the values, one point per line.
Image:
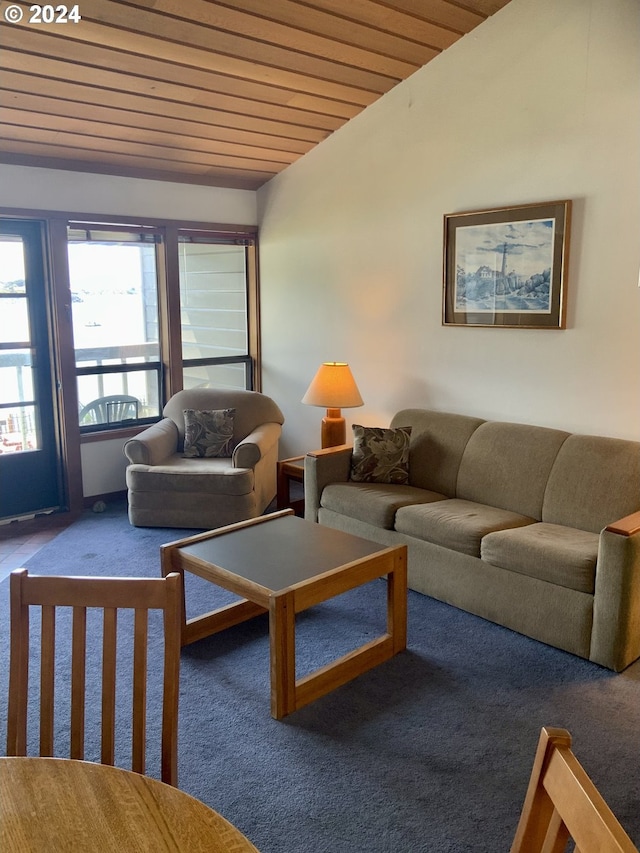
x=213 y=312
x=122 y=281
x=114 y=305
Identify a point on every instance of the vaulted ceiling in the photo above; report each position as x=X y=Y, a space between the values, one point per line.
x=199 y=91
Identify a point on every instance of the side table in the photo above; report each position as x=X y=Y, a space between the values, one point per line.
x=289 y=471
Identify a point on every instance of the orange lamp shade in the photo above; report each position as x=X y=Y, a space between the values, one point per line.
x=334 y=388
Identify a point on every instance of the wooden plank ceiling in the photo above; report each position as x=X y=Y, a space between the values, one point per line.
x=217 y=93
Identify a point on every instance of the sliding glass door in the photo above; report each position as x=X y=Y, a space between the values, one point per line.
x=30 y=479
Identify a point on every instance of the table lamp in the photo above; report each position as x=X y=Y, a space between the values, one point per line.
x=334 y=388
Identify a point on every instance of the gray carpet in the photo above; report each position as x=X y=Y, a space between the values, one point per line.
x=429 y=752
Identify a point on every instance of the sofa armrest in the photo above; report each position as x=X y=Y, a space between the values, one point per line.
x=154 y=444
x=626 y=526
x=248 y=452
x=321 y=467
x=615 y=636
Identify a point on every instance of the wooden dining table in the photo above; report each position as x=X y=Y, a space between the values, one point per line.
x=59 y=804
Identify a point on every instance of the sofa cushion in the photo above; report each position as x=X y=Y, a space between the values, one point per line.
x=456 y=524
x=206 y=476
x=208 y=433
x=438 y=440
x=594 y=481
x=380 y=455
x=375 y=503
x=507 y=466
x=561 y=555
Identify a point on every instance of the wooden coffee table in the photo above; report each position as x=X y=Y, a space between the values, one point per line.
x=282 y=564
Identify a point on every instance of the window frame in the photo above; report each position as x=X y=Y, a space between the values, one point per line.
x=155 y=366
x=172 y=363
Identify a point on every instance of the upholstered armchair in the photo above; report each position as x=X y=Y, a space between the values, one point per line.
x=226 y=473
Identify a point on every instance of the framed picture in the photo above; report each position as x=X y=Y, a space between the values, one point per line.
x=507 y=267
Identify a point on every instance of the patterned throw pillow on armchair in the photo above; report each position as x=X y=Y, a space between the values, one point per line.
x=208 y=433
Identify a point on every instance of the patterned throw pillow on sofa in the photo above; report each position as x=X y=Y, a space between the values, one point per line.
x=380 y=455
x=208 y=433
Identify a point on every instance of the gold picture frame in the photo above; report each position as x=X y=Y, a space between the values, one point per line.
x=507 y=267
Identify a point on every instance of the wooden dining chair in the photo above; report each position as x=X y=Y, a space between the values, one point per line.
x=563 y=804
x=111 y=596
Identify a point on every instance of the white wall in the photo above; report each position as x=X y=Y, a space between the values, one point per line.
x=103 y=462
x=104 y=467
x=81 y=192
x=538 y=103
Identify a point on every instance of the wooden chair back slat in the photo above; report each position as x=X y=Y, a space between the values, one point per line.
x=139 y=691
x=94 y=592
x=110 y=595
x=19 y=673
x=172 y=618
x=109 y=644
x=78 y=680
x=47 y=679
x=562 y=803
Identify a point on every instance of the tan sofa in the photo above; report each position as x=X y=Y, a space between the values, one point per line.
x=532 y=528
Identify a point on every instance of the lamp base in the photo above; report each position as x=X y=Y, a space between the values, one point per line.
x=334 y=429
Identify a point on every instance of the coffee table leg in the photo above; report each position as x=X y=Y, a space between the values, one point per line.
x=397 y=603
x=282 y=645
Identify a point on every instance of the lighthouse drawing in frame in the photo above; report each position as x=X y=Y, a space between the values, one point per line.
x=507 y=267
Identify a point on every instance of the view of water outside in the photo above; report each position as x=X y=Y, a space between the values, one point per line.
x=12 y=261
x=106 y=288
x=110 y=313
